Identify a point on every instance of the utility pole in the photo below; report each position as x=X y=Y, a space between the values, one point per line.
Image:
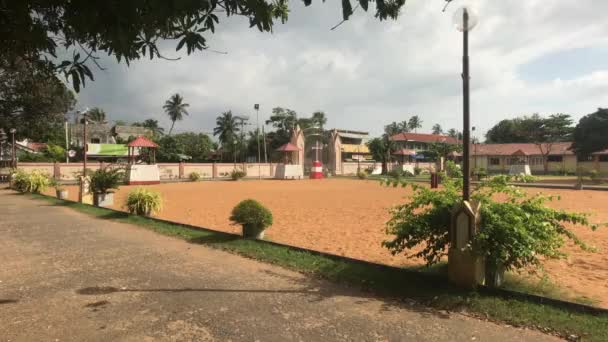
x=84 y=141
x=67 y=146
x=257 y=137
x=265 y=154
x=14 y=161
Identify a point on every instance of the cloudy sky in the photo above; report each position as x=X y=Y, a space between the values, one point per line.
x=529 y=56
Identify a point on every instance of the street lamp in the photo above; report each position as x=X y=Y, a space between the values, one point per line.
x=465 y=20
x=84 y=141
x=14 y=157
x=234 y=152
x=257 y=137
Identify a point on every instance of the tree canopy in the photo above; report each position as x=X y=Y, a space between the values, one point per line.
x=532 y=129
x=175 y=108
x=66 y=36
x=591 y=133
x=33 y=102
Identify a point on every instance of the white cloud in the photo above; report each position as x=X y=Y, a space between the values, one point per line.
x=367 y=73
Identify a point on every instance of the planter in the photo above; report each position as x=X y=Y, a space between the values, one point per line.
x=62 y=194
x=253 y=232
x=103 y=200
x=495 y=275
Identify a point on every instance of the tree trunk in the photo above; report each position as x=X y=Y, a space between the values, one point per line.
x=171 y=129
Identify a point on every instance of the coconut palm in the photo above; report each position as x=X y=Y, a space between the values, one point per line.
x=96 y=115
x=153 y=126
x=414 y=123
x=318 y=119
x=437 y=130
x=226 y=128
x=404 y=126
x=175 y=108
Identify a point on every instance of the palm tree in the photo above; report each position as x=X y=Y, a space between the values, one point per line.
x=414 y=123
x=318 y=119
x=404 y=126
x=153 y=126
x=437 y=130
x=96 y=115
x=392 y=129
x=226 y=128
x=175 y=108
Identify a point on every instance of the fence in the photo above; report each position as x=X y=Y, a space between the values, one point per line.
x=177 y=171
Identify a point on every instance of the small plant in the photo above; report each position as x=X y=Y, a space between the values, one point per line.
x=452 y=170
x=417 y=170
x=253 y=216
x=594 y=176
x=32 y=182
x=237 y=174
x=523 y=178
x=480 y=173
x=362 y=174
x=106 y=179
x=144 y=202
x=194 y=176
x=399 y=173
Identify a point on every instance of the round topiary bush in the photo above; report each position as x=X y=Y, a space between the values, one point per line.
x=195 y=176
x=254 y=218
x=144 y=202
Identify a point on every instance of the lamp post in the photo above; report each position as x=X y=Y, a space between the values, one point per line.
x=234 y=152
x=257 y=137
x=84 y=141
x=465 y=20
x=14 y=156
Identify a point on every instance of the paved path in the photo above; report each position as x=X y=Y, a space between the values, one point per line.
x=69 y=277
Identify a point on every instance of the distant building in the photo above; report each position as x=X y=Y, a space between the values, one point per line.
x=347 y=146
x=102 y=133
x=498 y=158
x=411 y=146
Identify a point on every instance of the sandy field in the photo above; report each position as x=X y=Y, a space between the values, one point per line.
x=347 y=217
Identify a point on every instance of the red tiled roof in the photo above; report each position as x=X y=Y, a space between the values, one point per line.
x=561 y=148
x=289 y=147
x=142 y=141
x=422 y=137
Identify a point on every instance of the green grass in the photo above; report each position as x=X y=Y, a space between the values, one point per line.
x=427 y=288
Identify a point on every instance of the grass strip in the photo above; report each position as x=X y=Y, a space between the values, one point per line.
x=423 y=288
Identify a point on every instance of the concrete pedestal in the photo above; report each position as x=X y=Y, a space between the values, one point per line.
x=142 y=174
x=464 y=268
x=284 y=171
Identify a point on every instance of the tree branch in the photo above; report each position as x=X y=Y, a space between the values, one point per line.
x=343 y=20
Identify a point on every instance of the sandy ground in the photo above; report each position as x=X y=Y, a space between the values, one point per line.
x=66 y=276
x=347 y=217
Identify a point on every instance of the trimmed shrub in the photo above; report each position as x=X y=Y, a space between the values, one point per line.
x=106 y=179
x=32 y=182
x=237 y=174
x=417 y=170
x=594 y=176
x=362 y=174
x=144 y=202
x=253 y=216
x=194 y=176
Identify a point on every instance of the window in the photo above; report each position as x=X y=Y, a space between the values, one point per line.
x=584 y=159
x=494 y=161
x=95 y=141
x=536 y=160
x=604 y=158
x=558 y=159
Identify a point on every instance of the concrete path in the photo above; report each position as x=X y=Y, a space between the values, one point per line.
x=68 y=277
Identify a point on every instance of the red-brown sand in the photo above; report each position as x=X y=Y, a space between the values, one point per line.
x=347 y=217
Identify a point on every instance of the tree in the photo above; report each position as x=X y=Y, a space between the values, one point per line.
x=97 y=115
x=34 y=102
x=284 y=121
x=440 y=149
x=392 y=129
x=153 y=126
x=591 y=133
x=454 y=133
x=130 y=30
x=437 y=130
x=404 y=126
x=175 y=108
x=414 y=123
x=319 y=119
x=381 y=150
x=226 y=129
x=172 y=148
